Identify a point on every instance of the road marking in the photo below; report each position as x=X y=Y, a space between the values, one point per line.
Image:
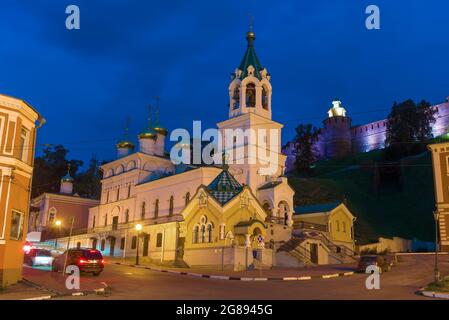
x=327 y=276
x=39 y=298
x=289 y=278
x=305 y=278
x=348 y=273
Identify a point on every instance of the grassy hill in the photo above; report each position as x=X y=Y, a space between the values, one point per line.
x=388 y=210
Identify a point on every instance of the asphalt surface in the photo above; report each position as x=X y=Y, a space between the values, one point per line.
x=125 y=282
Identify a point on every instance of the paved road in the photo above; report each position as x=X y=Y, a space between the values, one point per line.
x=125 y=282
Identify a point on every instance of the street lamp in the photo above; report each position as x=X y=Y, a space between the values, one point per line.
x=138 y=228
x=58 y=224
x=436 y=216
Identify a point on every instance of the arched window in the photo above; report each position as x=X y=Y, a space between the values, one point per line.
x=264 y=98
x=52 y=215
x=203 y=233
x=250 y=95
x=195 y=234
x=156 y=208
x=210 y=230
x=103 y=244
x=267 y=208
x=142 y=213
x=236 y=98
x=283 y=212
x=126 y=216
x=187 y=198
x=170 y=208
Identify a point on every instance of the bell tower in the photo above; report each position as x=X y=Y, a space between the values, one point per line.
x=250 y=88
x=250 y=112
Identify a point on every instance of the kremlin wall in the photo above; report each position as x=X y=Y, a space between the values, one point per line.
x=339 y=138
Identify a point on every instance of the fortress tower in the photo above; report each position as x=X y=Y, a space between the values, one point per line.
x=336 y=136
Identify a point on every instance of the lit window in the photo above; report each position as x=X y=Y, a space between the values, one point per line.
x=159 y=240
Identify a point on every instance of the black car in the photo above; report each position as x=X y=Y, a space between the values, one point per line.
x=87 y=260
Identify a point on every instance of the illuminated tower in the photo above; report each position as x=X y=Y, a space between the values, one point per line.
x=336 y=132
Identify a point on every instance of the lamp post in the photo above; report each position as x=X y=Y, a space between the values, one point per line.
x=138 y=228
x=58 y=225
x=68 y=245
x=436 y=272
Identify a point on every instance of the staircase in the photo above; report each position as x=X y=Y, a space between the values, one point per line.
x=294 y=248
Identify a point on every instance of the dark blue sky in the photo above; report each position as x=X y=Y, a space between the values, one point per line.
x=86 y=82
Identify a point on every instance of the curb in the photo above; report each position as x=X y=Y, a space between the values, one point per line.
x=217 y=277
x=433 y=294
x=57 y=294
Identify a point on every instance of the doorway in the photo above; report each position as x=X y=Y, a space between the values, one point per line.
x=146 y=244
x=111 y=246
x=314 y=253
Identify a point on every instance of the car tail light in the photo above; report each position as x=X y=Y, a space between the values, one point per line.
x=102 y=261
x=81 y=261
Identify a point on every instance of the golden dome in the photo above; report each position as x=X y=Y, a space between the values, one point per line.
x=160 y=130
x=147 y=135
x=125 y=144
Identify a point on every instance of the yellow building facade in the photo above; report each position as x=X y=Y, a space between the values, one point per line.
x=17 y=142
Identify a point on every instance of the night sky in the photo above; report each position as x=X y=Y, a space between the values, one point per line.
x=86 y=82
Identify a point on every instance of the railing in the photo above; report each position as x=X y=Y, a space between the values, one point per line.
x=294 y=248
x=278 y=220
x=310 y=226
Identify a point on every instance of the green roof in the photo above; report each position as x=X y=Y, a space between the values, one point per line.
x=250 y=58
x=224 y=187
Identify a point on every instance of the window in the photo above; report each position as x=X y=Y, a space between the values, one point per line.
x=338 y=225
x=122 y=244
x=115 y=223
x=103 y=244
x=52 y=215
x=127 y=216
x=187 y=198
x=134 y=242
x=203 y=231
x=16 y=225
x=23 y=151
x=94 y=243
x=142 y=213
x=156 y=208
x=195 y=234
x=236 y=98
x=129 y=190
x=93 y=221
x=159 y=240
x=170 y=209
x=105 y=220
x=344 y=226
x=264 y=98
x=107 y=196
x=78 y=245
x=210 y=229
x=250 y=95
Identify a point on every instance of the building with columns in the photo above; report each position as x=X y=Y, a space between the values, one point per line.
x=440 y=163
x=18 y=124
x=231 y=215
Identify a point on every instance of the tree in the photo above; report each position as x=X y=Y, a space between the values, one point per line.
x=408 y=126
x=306 y=152
x=88 y=183
x=50 y=168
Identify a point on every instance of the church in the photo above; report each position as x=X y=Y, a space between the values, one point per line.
x=230 y=215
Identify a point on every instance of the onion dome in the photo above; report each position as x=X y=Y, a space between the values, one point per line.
x=67 y=177
x=149 y=134
x=125 y=144
x=161 y=130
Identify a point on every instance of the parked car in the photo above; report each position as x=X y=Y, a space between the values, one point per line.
x=379 y=261
x=38 y=257
x=87 y=260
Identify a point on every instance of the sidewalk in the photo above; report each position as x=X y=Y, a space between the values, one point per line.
x=305 y=273
x=20 y=291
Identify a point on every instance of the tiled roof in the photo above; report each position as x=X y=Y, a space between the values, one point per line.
x=250 y=58
x=324 y=207
x=224 y=187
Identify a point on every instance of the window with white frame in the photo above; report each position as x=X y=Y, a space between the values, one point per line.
x=16 y=231
x=23 y=148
